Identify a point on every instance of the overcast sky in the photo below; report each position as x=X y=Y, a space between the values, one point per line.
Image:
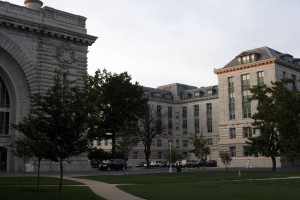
x=160 y=42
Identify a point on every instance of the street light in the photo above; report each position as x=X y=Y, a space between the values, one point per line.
x=170 y=162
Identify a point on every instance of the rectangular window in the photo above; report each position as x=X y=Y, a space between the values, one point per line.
x=197 y=129
x=135 y=155
x=196 y=110
x=232 y=151
x=177 y=115
x=158 y=142
x=159 y=155
x=231 y=97
x=184 y=132
x=260 y=77
x=158 y=110
x=232 y=133
x=184 y=111
x=246 y=109
x=231 y=111
x=246 y=151
x=230 y=82
x=177 y=143
x=209 y=141
x=247 y=132
x=209 y=117
x=177 y=126
x=184 y=143
x=169 y=112
x=184 y=123
x=246 y=80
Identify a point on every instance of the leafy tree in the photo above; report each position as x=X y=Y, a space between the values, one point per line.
x=34 y=144
x=200 y=148
x=150 y=126
x=119 y=103
x=98 y=154
x=62 y=117
x=174 y=156
x=277 y=121
x=225 y=158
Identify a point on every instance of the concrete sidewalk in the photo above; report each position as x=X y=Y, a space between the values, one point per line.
x=105 y=190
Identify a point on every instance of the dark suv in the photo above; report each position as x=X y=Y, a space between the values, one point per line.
x=115 y=164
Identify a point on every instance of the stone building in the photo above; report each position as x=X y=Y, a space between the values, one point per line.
x=222 y=112
x=34 y=41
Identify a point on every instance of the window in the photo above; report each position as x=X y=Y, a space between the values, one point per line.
x=184 y=123
x=246 y=109
x=260 y=77
x=245 y=79
x=184 y=143
x=197 y=129
x=135 y=155
x=184 y=132
x=246 y=95
x=232 y=133
x=230 y=82
x=209 y=141
x=177 y=143
x=170 y=132
x=196 y=110
x=184 y=111
x=209 y=117
x=177 y=115
x=247 y=132
x=156 y=95
x=158 y=142
x=170 y=124
x=184 y=96
x=146 y=93
x=246 y=59
x=246 y=151
x=231 y=111
x=158 y=110
x=231 y=97
x=159 y=155
x=209 y=92
x=197 y=94
x=232 y=151
x=106 y=142
x=177 y=126
x=4 y=108
x=169 y=112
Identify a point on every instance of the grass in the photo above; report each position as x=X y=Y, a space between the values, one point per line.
x=209 y=185
x=24 y=188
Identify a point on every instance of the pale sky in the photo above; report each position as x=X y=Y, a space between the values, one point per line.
x=160 y=42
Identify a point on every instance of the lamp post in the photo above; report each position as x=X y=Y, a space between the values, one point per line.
x=170 y=162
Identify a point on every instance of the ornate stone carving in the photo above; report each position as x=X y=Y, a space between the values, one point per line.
x=65 y=54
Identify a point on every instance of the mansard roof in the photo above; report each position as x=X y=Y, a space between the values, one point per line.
x=260 y=56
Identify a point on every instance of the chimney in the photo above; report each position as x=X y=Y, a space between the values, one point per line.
x=33 y=4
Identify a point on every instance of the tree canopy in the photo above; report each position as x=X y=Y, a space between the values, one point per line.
x=276 y=121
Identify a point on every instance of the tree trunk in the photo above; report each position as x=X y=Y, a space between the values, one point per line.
x=273 y=163
x=38 y=168
x=61 y=177
x=147 y=154
x=113 y=143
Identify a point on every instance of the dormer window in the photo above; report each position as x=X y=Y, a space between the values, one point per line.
x=287 y=57
x=156 y=95
x=197 y=94
x=243 y=59
x=146 y=93
x=184 y=96
x=209 y=92
x=168 y=96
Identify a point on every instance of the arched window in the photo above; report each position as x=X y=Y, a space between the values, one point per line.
x=4 y=108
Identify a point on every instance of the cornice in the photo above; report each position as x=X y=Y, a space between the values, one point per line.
x=256 y=64
x=45 y=29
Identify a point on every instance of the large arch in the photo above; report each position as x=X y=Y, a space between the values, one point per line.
x=12 y=61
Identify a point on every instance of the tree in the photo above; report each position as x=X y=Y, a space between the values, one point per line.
x=62 y=115
x=150 y=126
x=200 y=148
x=34 y=144
x=119 y=102
x=225 y=158
x=277 y=122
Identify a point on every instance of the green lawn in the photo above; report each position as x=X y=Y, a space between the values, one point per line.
x=24 y=188
x=209 y=185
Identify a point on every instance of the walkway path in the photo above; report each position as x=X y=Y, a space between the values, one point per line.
x=105 y=190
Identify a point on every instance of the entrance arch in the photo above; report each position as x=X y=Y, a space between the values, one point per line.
x=3 y=159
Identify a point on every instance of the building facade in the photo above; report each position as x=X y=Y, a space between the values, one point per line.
x=221 y=112
x=34 y=41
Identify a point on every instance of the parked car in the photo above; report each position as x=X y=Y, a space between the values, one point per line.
x=189 y=163
x=114 y=164
x=94 y=163
x=157 y=163
x=140 y=164
x=211 y=163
